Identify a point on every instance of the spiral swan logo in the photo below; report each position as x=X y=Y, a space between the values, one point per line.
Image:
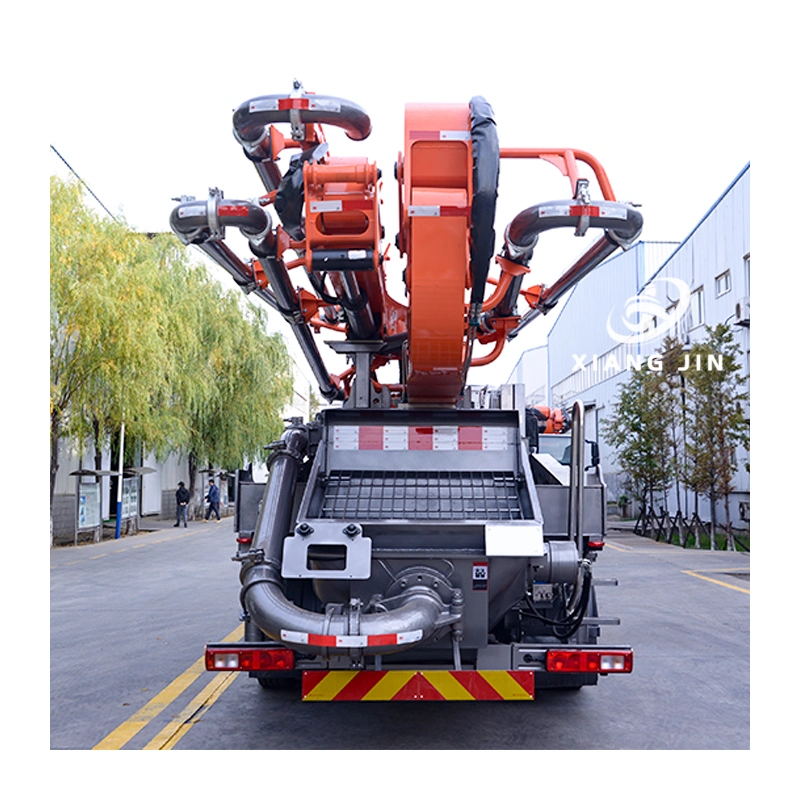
x=642 y=310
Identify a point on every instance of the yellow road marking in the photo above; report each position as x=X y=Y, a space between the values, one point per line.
x=714 y=580
x=123 y=733
x=130 y=547
x=173 y=732
x=617 y=548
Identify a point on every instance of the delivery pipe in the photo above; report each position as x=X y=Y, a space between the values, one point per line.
x=420 y=609
x=252 y=118
x=198 y=223
x=621 y=225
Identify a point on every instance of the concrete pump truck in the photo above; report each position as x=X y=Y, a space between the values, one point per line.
x=410 y=542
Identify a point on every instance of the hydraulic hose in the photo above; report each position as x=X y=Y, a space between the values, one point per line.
x=564 y=628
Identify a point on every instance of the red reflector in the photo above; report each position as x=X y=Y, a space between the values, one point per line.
x=584 y=211
x=292 y=102
x=244 y=539
x=232 y=211
x=590 y=661
x=244 y=659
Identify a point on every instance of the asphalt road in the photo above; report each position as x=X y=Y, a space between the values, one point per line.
x=129 y=619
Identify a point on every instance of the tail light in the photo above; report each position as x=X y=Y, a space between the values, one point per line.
x=596 y=544
x=590 y=661
x=248 y=659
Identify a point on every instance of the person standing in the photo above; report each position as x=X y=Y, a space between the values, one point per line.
x=213 y=499
x=182 y=500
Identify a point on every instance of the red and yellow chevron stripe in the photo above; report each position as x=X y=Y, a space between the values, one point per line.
x=418 y=685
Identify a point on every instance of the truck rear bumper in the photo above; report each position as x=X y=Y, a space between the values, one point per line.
x=550 y=667
x=382 y=685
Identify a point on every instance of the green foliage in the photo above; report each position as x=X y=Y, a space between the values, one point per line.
x=139 y=333
x=639 y=430
x=717 y=423
x=684 y=423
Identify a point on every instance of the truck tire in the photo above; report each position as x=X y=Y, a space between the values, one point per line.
x=279 y=681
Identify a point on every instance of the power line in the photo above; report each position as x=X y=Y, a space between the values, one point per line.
x=88 y=188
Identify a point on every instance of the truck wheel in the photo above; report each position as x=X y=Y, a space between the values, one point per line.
x=271 y=682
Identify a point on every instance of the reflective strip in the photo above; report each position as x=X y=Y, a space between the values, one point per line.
x=568 y=210
x=554 y=211
x=438 y=211
x=192 y=211
x=351 y=641
x=232 y=211
x=378 y=685
x=419 y=437
x=326 y=205
x=440 y=136
x=584 y=211
x=263 y=105
x=322 y=206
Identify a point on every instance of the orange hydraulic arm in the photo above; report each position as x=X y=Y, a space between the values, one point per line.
x=330 y=232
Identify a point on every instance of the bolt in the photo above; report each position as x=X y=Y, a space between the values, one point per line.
x=304 y=529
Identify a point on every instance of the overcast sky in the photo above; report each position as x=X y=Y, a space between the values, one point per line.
x=140 y=104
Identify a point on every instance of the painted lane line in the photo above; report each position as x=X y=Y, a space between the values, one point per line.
x=714 y=580
x=123 y=733
x=128 y=548
x=174 y=731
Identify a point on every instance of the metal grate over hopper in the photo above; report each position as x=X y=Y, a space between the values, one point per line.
x=415 y=495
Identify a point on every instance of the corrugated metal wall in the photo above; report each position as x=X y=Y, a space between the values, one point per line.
x=720 y=243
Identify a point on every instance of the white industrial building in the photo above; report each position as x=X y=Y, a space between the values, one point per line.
x=583 y=359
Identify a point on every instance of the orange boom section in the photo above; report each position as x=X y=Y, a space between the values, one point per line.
x=435 y=176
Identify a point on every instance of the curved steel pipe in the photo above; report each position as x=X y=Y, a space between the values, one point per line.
x=623 y=221
x=252 y=118
x=421 y=608
x=199 y=223
x=620 y=222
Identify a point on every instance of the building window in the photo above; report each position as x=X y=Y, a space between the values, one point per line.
x=695 y=316
x=722 y=283
x=747 y=274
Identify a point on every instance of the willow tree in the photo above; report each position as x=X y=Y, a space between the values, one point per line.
x=243 y=381
x=141 y=335
x=109 y=356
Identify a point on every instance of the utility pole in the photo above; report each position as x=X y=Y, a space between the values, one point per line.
x=119 y=480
